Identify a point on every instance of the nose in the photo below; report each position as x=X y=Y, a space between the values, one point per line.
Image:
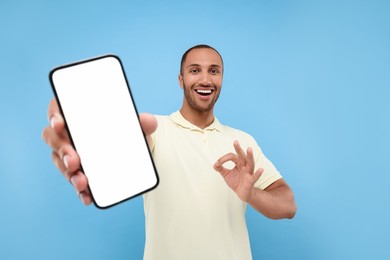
x=205 y=79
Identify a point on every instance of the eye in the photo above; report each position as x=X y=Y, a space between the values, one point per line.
x=214 y=71
x=194 y=70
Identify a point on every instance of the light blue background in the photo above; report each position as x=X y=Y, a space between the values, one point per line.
x=308 y=79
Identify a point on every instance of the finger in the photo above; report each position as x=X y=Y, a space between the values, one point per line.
x=59 y=163
x=70 y=158
x=62 y=148
x=58 y=124
x=222 y=170
x=55 y=118
x=85 y=197
x=53 y=108
x=241 y=154
x=148 y=123
x=250 y=160
x=68 y=165
x=227 y=157
x=218 y=166
x=79 y=182
x=257 y=174
x=52 y=138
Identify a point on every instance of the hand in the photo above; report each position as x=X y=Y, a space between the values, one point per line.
x=66 y=158
x=242 y=177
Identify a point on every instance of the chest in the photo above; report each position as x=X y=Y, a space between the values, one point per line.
x=184 y=159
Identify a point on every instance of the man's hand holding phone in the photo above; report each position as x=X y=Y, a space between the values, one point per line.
x=66 y=158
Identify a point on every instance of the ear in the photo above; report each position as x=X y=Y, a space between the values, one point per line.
x=180 y=78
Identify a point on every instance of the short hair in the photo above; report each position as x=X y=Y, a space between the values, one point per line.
x=199 y=46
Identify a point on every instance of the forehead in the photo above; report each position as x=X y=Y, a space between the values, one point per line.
x=203 y=57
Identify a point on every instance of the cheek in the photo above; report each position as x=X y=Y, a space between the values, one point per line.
x=218 y=78
x=218 y=82
x=188 y=81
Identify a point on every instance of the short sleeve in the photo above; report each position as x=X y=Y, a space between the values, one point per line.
x=270 y=174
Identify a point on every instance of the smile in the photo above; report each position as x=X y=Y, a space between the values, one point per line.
x=204 y=92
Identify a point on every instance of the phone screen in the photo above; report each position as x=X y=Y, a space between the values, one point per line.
x=102 y=120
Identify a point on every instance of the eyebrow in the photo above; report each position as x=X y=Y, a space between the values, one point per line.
x=198 y=65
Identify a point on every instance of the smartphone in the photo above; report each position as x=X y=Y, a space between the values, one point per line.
x=103 y=124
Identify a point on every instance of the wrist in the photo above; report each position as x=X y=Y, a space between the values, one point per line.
x=252 y=198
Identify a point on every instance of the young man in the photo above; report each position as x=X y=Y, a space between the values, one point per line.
x=208 y=172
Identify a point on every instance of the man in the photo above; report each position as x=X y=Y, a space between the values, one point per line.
x=194 y=213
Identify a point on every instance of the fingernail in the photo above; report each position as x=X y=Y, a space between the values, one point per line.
x=82 y=198
x=73 y=181
x=66 y=160
x=52 y=121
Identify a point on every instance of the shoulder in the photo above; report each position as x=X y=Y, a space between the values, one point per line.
x=163 y=122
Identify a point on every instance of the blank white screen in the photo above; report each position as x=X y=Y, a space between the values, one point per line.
x=104 y=127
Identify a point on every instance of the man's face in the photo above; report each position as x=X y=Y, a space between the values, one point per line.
x=201 y=79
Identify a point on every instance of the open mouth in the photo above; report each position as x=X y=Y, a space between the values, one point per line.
x=204 y=92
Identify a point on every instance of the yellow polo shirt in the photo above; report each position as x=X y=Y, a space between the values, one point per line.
x=193 y=214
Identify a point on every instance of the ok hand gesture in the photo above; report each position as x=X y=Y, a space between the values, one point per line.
x=242 y=177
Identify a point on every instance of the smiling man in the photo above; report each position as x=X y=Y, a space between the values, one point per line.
x=201 y=81
x=208 y=172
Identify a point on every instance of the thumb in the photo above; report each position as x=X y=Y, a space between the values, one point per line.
x=148 y=123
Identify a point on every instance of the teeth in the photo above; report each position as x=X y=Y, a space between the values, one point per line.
x=204 y=91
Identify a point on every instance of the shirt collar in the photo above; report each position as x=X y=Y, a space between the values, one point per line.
x=178 y=119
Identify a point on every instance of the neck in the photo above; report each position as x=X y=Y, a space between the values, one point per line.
x=200 y=119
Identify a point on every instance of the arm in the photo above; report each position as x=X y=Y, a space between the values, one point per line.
x=66 y=158
x=275 y=202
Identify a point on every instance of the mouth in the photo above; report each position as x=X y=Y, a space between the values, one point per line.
x=204 y=91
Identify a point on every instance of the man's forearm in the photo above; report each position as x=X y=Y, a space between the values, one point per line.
x=275 y=202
